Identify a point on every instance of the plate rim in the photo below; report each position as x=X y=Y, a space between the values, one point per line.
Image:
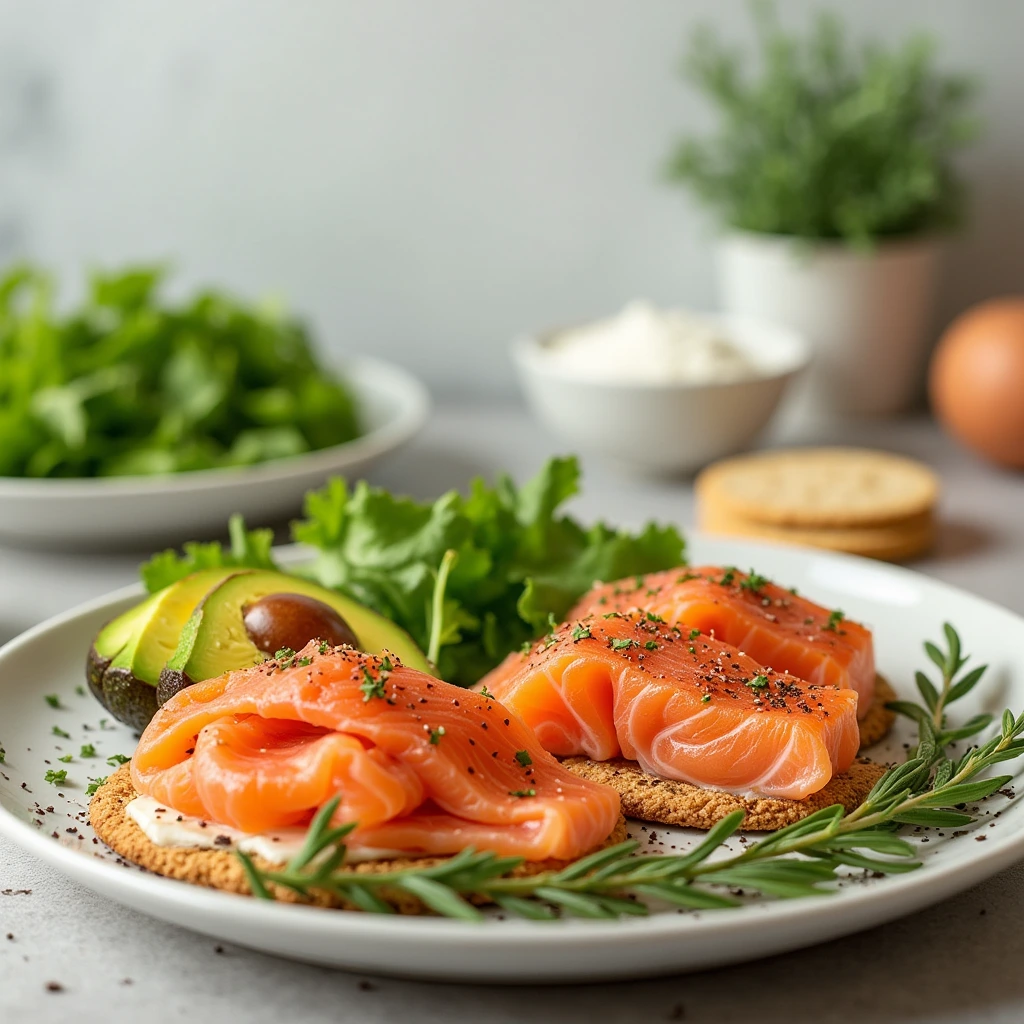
x=869 y=905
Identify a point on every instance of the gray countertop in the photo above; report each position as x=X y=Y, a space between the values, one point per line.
x=957 y=962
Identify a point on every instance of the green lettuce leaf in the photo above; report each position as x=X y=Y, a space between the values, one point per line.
x=249 y=549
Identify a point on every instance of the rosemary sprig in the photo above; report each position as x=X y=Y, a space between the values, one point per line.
x=929 y=789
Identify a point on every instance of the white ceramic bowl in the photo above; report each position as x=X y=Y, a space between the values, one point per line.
x=122 y=511
x=671 y=427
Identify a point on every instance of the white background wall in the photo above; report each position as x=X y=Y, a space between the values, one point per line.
x=422 y=178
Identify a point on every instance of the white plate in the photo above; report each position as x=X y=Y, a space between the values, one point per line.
x=904 y=609
x=122 y=510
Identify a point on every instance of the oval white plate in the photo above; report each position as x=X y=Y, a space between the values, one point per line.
x=903 y=608
x=121 y=510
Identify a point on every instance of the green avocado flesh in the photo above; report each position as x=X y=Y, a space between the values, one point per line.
x=128 y=653
x=109 y=642
x=215 y=641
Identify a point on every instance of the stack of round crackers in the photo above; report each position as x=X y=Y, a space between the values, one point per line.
x=845 y=499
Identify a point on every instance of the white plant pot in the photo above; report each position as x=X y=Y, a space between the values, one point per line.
x=865 y=313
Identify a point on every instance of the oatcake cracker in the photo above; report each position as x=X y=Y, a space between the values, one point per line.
x=819 y=488
x=875 y=725
x=891 y=542
x=680 y=803
x=221 y=869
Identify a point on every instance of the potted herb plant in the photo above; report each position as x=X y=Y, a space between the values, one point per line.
x=833 y=172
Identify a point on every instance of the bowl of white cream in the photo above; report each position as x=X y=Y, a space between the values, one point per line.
x=659 y=390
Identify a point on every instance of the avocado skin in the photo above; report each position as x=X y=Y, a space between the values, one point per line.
x=129 y=699
x=95 y=666
x=171 y=681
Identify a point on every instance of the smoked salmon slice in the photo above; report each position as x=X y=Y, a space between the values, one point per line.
x=421 y=765
x=775 y=626
x=682 y=704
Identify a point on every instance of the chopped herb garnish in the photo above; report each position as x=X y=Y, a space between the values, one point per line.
x=3 y=755
x=728 y=577
x=706 y=699
x=524 y=759
x=687 y=576
x=371 y=687
x=53 y=700
x=486 y=694
x=758 y=682
x=522 y=792
x=692 y=649
x=284 y=652
x=526 y=646
x=56 y=778
x=117 y=759
x=324 y=647
x=58 y=731
x=651 y=645
x=88 y=750
x=694 y=633
x=754 y=582
x=651 y=617
x=80 y=690
x=581 y=632
x=623 y=643
x=834 y=618
x=66 y=759
x=436 y=734
x=385 y=664
x=303 y=662
x=94 y=784
x=794 y=591
x=612 y=615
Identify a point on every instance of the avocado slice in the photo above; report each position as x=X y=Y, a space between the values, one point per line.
x=109 y=642
x=215 y=639
x=127 y=684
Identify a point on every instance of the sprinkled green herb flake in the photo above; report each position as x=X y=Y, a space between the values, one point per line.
x=580 y=632
x=58 y=731
x=56 y=778
x=612 y=615
x=117 y=759
x=371 y=687
x=303 y=662
x=284 y=652
x=526 y=646
x=324 y=647
x=3 y=755
x=88 y=750
x=651 y=645
x=524 y=759
x=686 y=577
x=53 y=700
x=754 y=582
x=834 y=618
x=758 y=682
x=694 y=633
x=486 y=694
x=436 y=734
x=66 y=759
x=706 y=699
x=651 y=617
x=729 y=576
x=623 y=643
x=80 y=690
x=692 y=649
x=522 y=792
x=94 y=784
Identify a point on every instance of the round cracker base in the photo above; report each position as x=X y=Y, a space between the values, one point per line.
x=877 y=723
x=669 y=802
x=890 y=542
x=820 y=488
x=221 y=869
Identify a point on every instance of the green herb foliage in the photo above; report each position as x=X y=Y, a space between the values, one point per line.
x=517 y=562
x=802 y=859
x=824 y=140
x=130 y=383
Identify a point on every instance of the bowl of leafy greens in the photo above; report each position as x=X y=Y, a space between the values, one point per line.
x=133 y=418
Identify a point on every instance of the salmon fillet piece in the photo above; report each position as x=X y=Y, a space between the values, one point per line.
x=773 y=625
x=682 y=704
x=421 y=765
